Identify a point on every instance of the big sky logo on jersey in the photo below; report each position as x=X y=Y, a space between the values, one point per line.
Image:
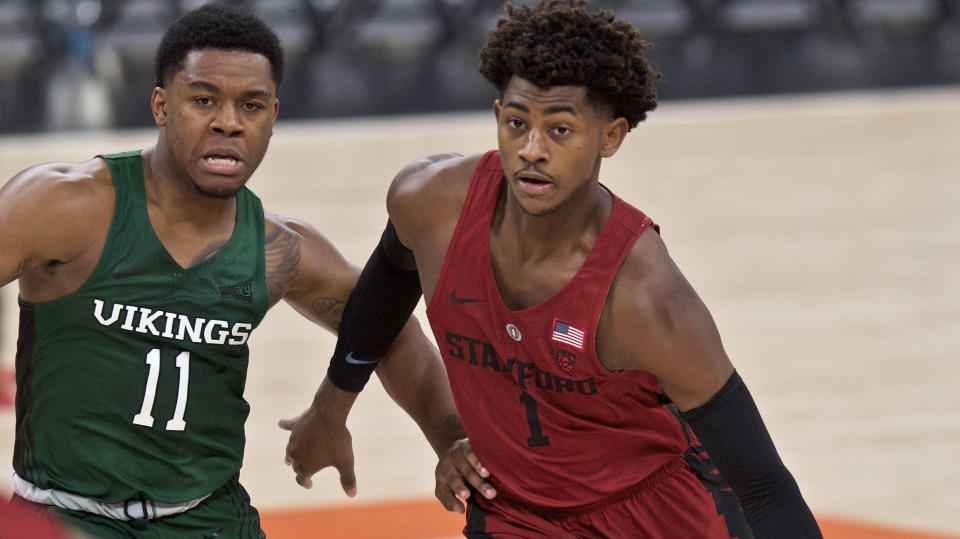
x=170 y=325
x=242 y=292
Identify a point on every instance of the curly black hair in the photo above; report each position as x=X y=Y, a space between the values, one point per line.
x=561 y=43
x=216 y=26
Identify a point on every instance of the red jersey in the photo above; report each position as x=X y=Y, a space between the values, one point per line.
x=555 y=428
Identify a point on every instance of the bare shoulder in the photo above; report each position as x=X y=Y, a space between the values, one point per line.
x=435 y=167
x=54 y=221
x=433 y=180
x=282 y=244
x=649 y=287
x=60 y=184
x=61 y=207
x=649 y=270
x=279 y=227
x=655 y=321
x=428 y=194
x=285 y=234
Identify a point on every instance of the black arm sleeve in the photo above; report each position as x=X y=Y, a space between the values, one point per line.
x=731 y=430
x=375 y=313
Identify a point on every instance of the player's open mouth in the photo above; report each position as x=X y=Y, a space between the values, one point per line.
x=222 y=163
x=533 y=183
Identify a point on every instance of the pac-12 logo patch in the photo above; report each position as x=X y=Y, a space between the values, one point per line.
x=566 y=360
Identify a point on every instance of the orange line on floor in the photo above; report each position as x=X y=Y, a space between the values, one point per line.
x=420 y=519
x=836 y=528
x=401 y=520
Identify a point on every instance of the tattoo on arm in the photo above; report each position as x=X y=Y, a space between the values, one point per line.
x=329 y=311
x=282 y=249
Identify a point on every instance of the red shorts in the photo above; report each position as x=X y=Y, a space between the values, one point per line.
x=673 y=502
x=23 y=519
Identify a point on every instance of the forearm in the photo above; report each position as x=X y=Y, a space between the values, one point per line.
x=379 y=307
x=333 y=403
x=413 y=375
x=731 y=430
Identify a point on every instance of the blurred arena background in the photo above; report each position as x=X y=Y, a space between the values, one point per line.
x=88 y=63
x=803 y=164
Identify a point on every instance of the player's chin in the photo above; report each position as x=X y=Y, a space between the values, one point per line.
x=220 y=187
x=538 y=208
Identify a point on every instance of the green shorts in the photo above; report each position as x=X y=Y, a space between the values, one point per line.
x=226 y=514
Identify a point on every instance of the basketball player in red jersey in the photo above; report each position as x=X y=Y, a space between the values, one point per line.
x=588 y=375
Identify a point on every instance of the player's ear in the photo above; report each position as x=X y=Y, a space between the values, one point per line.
x=158 y=105
x=496 y=109
x=612 y=136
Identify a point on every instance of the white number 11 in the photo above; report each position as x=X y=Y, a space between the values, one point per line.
x=145 y=418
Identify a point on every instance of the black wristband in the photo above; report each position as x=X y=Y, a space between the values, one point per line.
x=375 y=313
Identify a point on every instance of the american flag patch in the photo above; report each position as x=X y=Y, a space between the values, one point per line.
x=567 y=334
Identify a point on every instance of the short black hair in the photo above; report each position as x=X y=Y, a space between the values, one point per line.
x=561 y=43
x=216 y=26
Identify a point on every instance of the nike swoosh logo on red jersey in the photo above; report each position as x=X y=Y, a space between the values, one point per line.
x=455 y=299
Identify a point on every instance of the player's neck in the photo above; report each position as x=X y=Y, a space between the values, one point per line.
x=573 y=225
x=178 y=200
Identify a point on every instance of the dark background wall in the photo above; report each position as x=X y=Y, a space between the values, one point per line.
x=76 y=64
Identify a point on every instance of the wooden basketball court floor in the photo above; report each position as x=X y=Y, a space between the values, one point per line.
x=822 y=231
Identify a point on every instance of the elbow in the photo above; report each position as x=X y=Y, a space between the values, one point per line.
x=763 y=495
x=775 y=508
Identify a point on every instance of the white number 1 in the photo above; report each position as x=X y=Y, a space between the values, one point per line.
x=145 y=417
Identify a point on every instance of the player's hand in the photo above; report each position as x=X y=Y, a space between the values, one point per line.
x=458 y=468
x=319 y=438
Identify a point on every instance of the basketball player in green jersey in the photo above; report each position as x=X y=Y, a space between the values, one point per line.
x=141 y=278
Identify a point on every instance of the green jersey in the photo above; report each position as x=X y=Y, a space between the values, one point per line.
x=132 y=386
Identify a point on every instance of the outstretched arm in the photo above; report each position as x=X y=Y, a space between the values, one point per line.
x=424 y=200
x=410 y=370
